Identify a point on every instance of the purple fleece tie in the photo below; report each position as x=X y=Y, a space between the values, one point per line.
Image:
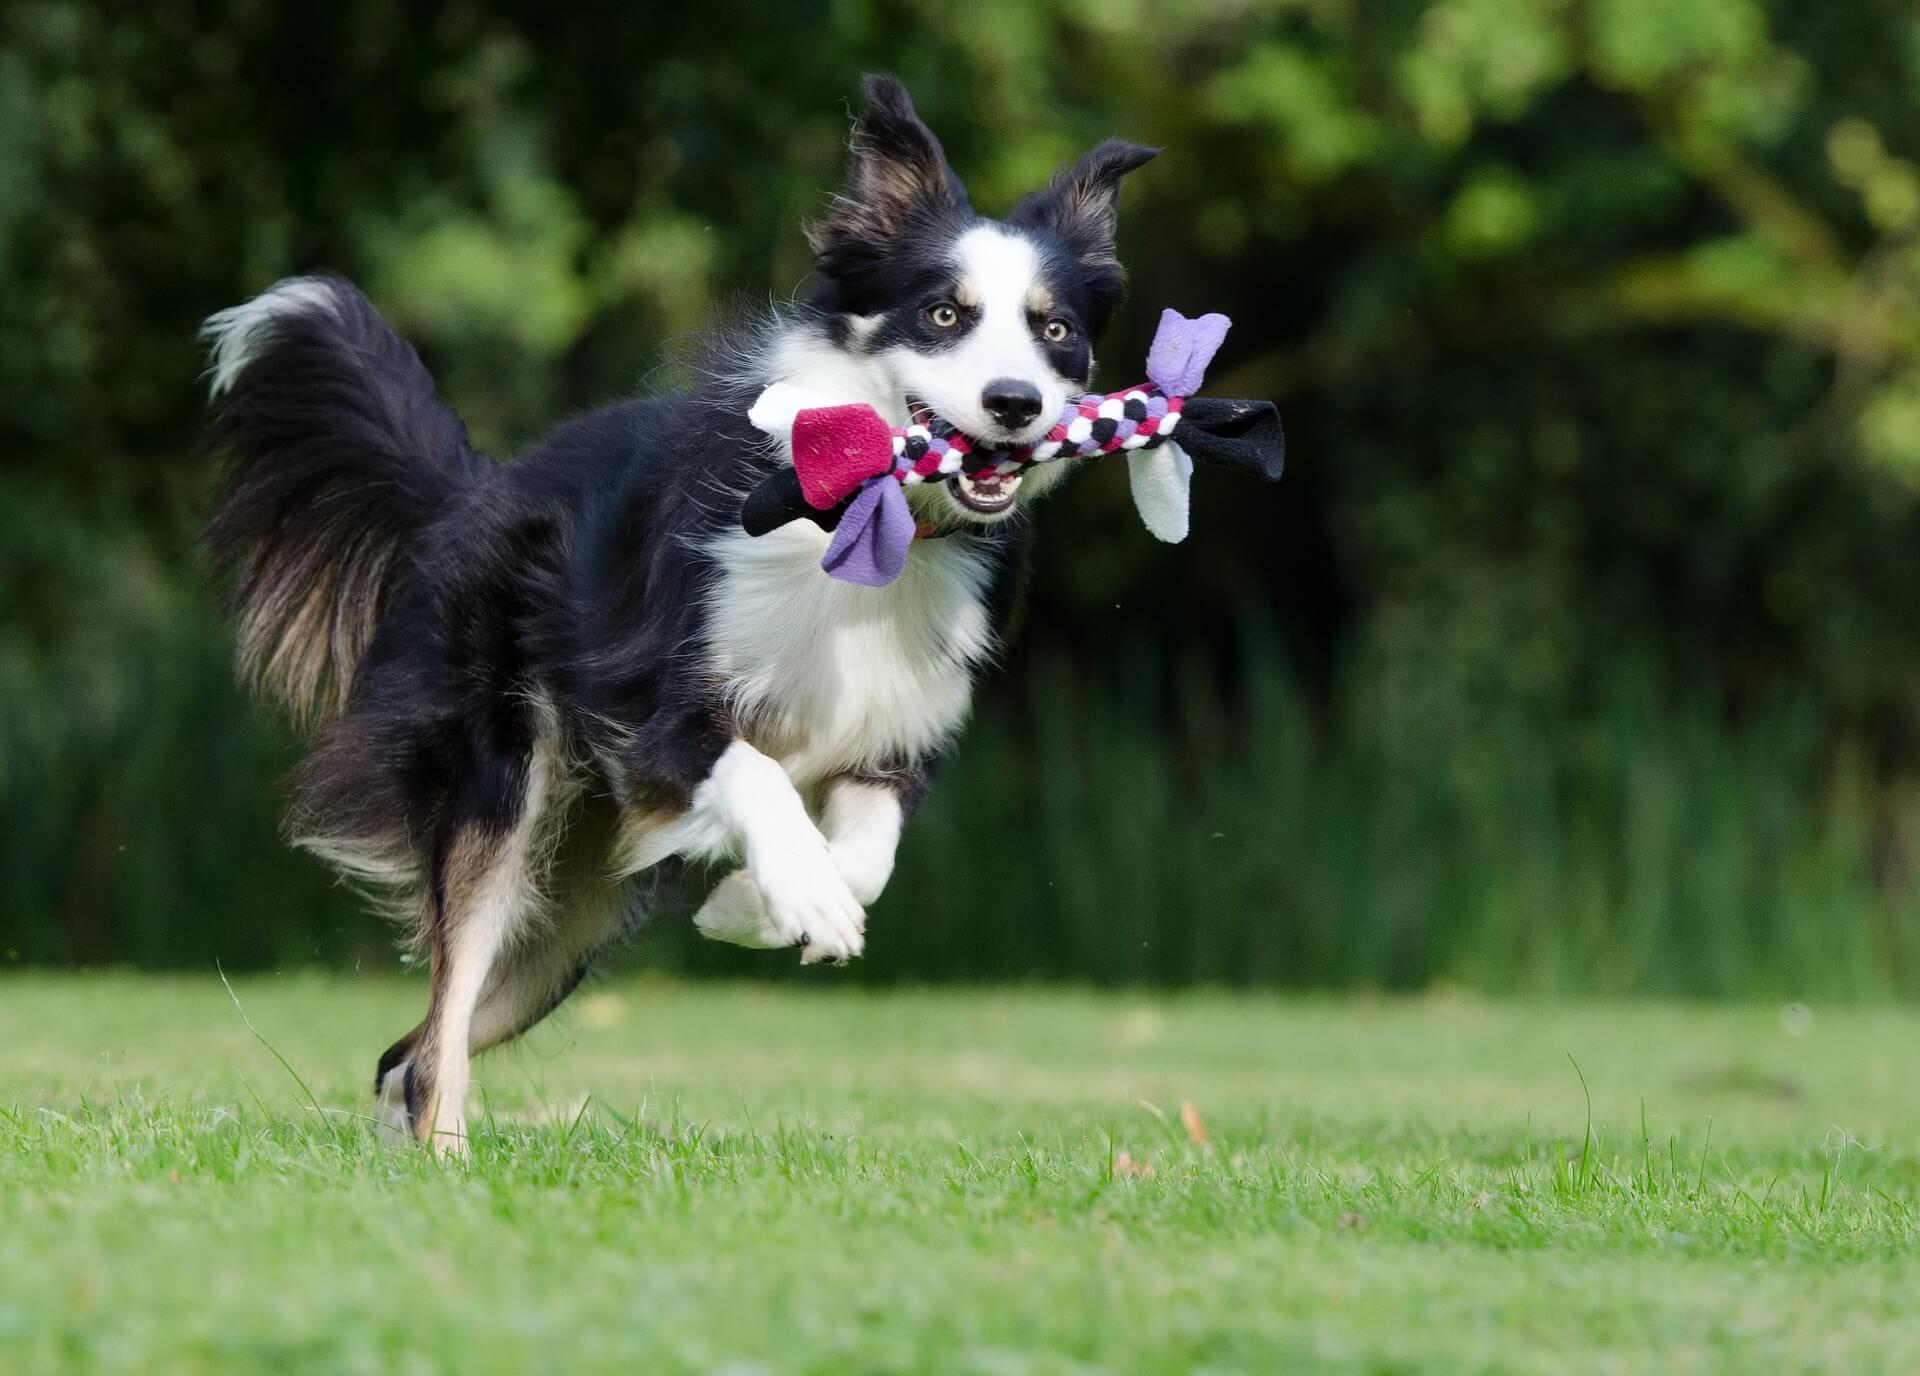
x=870 y=544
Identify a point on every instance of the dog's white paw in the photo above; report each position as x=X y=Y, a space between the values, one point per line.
x=735 y=912
x=809 y=903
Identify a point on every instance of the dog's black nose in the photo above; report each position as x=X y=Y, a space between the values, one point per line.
x=1011 y=403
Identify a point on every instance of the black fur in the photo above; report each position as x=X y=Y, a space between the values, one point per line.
x=901 y=199
x=344 y=457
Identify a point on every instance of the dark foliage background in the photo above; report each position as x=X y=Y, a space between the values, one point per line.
x=1576 y=652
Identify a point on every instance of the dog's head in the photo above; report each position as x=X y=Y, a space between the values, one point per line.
x=987 y=323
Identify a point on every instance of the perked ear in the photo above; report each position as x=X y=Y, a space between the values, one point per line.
x=896 y=173
x=1080 y=204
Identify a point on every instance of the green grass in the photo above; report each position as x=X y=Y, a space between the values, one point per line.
x=701 y=1178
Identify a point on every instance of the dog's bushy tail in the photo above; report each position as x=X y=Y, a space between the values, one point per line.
x=339 y=454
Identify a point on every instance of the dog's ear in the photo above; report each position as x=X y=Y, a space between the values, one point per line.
x=896 y=173
x=1081 y=203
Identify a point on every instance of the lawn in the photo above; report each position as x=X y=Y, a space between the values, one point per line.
x=732 y=1178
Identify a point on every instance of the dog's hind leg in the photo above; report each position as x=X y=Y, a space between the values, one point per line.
x=485 y=898
x=482 y=896
x=581 y=914
x=528 y=980
x=536 y=977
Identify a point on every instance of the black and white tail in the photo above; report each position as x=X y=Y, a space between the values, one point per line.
x=340 y=453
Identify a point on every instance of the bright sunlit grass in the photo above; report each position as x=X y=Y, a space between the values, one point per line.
x=721 y=1178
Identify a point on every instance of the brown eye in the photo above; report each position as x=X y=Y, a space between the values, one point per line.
x=1057 y=331
x=944 y=315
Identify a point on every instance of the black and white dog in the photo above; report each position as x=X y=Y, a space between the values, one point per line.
x=530 y=682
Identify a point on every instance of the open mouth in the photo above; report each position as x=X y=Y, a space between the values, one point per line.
x=984 y=494
x=980 y=494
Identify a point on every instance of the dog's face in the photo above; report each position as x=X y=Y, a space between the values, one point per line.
x=989 y=324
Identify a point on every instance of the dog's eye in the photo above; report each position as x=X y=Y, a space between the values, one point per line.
x=1058 y=331
x=943 y=314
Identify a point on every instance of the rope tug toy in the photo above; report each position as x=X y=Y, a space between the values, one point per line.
x=850 y=467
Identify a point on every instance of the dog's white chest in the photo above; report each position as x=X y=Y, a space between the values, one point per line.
x=829 y=677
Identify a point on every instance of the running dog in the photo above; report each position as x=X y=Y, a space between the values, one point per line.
x=527 y=683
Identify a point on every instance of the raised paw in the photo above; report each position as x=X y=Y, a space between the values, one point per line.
x=810 y=905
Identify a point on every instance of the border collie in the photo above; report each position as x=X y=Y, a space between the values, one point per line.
x=527 y=683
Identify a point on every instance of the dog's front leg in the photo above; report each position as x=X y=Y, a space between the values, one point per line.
x=791 y=891
x=862 y=820
x=862 y=825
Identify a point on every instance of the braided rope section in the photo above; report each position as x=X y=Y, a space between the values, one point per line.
x=1139 y=417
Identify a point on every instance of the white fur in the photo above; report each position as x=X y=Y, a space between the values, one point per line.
x=815 y=366
x=236 y=334
x=736 y=913
x=832 y=677
x=998 y=271
x=386 y=871
x=862 y=821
